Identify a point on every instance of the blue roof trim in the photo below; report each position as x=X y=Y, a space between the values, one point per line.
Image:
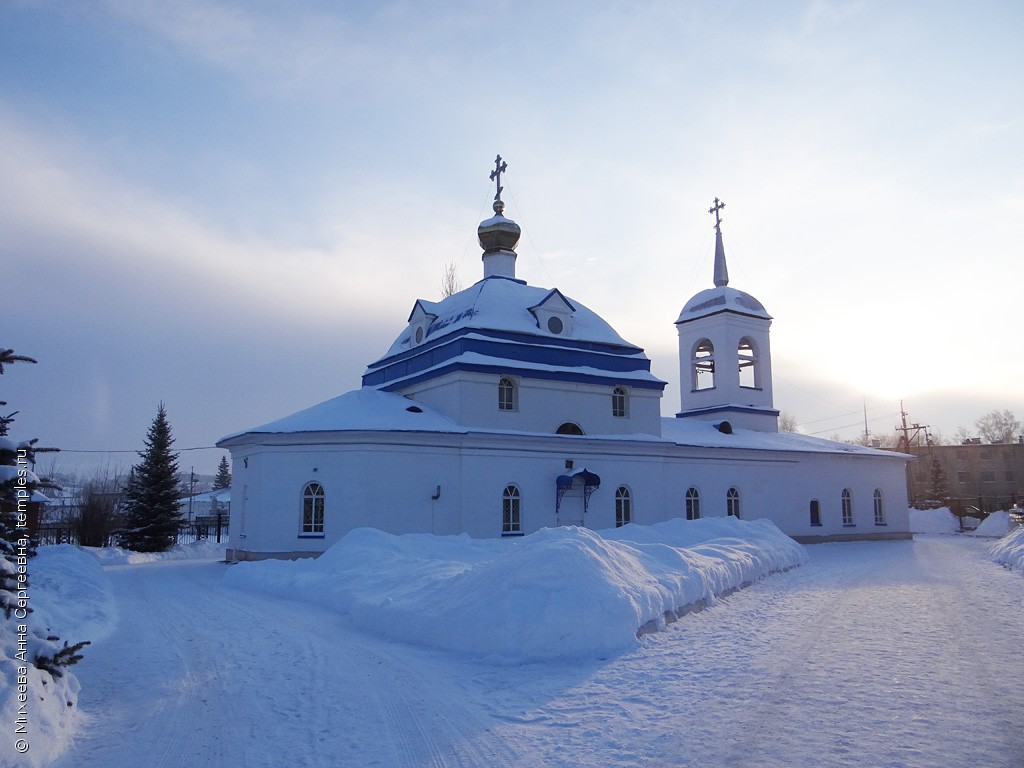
x=590 y=480
x=582 y=378
x=522 y=338
x=731 y=408
x=525 y=347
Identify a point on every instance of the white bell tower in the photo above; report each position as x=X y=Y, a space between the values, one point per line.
x=725 y=362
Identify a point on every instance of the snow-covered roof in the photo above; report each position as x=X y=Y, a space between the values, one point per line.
x=221 y=496
x=503 y=304
x=701 y=433
x=361 y=409
x=722 y=298
x=370 y=409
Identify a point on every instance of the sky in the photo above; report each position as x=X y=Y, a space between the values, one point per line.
x=230 y=207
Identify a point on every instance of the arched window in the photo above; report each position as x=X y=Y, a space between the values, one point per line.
x=732 y=502
x=815 y=512
x=623 y=506
x=847 y=507
x=568 y=428
x=692 y=504
x=703 y=365
x=511 y=522
x=619 y=401
x=879 y=509
x=746 y=353
x=313 y=510
x=506 y=394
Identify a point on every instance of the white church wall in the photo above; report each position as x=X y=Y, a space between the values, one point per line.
x=389 y=481
x=542 y=405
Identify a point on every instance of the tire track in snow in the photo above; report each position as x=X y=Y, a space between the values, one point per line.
x=198 y=675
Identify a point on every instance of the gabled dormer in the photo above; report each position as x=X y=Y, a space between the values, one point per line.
x=419 y=321
x=554 y=314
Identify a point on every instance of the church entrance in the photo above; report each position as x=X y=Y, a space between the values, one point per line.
x=572 y=496
x=570 y=507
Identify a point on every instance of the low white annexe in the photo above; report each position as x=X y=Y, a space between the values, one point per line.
x=450 y=483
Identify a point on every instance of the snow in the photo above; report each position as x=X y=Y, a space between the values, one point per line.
x=558 y=593
x=996 y=525
x=896 y=653
x=933 y=521
x=204 y=549
x=373 y=409
x=360 y=409
x=1009 y=550
x=942 y=520
x=502 y=304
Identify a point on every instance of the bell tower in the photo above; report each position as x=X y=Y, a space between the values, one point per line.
x=725 y=364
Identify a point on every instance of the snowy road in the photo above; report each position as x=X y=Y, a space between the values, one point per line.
x=873 y=654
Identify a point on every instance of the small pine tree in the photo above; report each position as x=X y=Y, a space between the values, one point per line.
x=151 y=507
x=223 y=479
x=938 y=484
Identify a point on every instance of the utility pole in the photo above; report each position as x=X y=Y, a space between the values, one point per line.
x=905 y=440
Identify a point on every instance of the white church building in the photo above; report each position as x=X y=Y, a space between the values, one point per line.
x=506 y=408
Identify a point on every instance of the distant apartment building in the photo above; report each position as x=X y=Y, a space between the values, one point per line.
x=982 y=475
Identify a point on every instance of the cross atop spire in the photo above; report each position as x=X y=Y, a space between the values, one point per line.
x=721 y=270
x=499 y=168
x=719 y=205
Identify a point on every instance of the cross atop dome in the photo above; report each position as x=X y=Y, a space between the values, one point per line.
x=499 y=168
x=721 y=270
x=499 y=236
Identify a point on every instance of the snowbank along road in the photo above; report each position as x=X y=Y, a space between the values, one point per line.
x=872 y=654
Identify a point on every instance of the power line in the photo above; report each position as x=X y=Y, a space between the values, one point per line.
x=176 y=450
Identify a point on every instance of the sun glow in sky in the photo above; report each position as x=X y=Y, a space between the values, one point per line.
x=231 y=206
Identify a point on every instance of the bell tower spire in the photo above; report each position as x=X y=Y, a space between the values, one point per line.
x=721 y=270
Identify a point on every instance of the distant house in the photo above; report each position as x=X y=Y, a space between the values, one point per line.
x=506 y=408
x=986 y=476
x=206 y=506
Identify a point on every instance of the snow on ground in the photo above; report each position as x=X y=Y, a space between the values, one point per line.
x=903 y=654
x=996 y=525
x=204 y=549
x=933 y=521
x=561 y=592
x=942 y=520
x=1009 y=550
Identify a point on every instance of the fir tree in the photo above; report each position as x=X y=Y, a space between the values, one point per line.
x=938 y=485
x=223 y=479
x=17 y=484
x=152 y=514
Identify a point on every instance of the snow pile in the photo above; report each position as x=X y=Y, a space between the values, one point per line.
x=933 y=521
x=561 y=592
x=204 y=549
x=1009 y=550
x=996 y=525
x=71 y=593
x=70 y=599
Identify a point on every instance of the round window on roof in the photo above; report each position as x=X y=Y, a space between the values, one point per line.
x=555 y=324
x=419 y=334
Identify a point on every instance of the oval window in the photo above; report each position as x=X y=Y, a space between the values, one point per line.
x=419 y=334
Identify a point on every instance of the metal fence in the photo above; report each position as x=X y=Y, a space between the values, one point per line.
x=214 y=528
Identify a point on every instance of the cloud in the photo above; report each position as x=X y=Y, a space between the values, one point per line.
x=58 y=206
